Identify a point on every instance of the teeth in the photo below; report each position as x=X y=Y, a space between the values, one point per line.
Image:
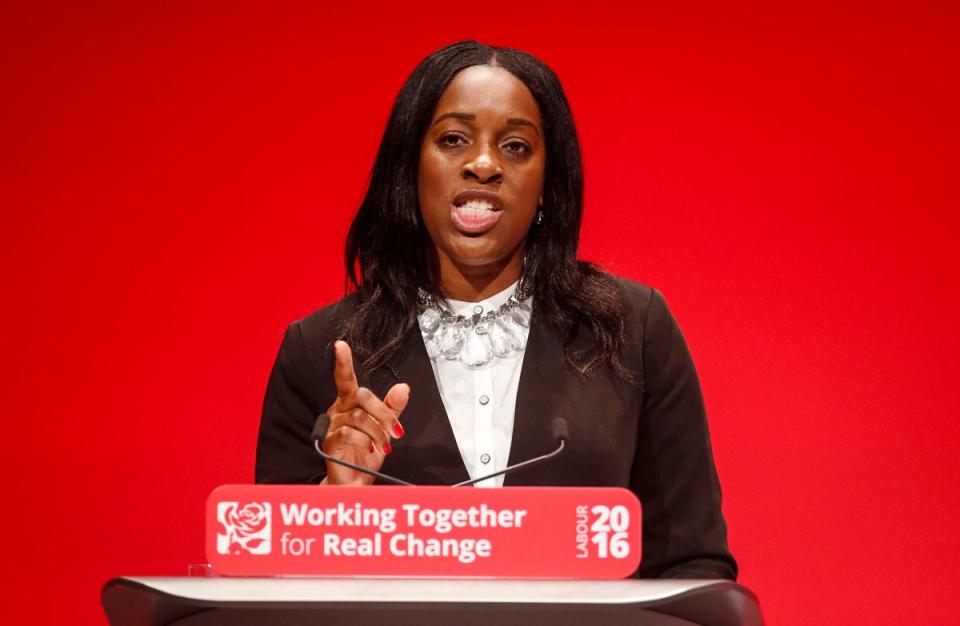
x=476 y=207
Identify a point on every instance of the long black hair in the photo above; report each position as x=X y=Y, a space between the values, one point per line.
x=389 y=253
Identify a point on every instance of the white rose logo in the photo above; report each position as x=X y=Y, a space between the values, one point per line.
x=243 y=529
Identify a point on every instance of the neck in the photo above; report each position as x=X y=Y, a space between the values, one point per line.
x=472 y=283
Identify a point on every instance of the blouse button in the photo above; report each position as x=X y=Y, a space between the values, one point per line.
x=477 y=310
x=484 y=458
x=484 y=400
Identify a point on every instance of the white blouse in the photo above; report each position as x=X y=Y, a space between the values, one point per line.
x=480 y=402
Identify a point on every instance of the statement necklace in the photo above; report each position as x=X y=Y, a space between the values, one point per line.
x=475 y=340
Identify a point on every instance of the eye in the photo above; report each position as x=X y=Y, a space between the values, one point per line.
x=451 y=140
x=517 y=147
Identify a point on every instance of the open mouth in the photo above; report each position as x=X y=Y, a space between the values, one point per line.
x=475 y=213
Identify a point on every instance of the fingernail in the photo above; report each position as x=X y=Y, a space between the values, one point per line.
x=386 y=448
x=397 y=429
x=372 y=448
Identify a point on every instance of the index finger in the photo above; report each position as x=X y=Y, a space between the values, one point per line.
x=343 y=375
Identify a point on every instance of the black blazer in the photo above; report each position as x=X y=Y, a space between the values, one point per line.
x=649 y=436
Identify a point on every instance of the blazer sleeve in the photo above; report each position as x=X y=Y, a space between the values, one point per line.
x=684 y=533
x=289 y=412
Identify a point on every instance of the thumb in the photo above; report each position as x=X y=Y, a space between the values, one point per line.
x=396 y=400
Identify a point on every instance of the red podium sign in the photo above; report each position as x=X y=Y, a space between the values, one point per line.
x=513 y=532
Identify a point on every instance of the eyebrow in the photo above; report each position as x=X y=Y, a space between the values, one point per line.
x=512 y=121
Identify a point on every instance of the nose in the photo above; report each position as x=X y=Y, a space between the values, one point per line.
x=483 y=165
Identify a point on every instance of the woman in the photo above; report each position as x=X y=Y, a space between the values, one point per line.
x=474 y=210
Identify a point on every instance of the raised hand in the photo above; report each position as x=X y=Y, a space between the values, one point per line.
x=361 y=424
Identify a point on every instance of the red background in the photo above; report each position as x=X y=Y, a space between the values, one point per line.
x=177 y=182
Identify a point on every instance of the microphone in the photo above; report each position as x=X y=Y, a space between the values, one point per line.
x=558 y=428
x=320 y=428
x=560 y=435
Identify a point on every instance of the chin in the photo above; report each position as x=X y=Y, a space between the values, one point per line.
x=477 y=253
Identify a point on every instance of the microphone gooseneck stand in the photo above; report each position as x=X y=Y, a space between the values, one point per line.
x=558 y=426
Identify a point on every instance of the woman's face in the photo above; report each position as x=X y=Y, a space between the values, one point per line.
x=481 y=168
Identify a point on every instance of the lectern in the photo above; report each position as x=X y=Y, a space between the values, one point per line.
x=239 y=601
x=391 y=556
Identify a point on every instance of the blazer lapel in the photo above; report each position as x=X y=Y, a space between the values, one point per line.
x=427 y=454
x=542 y=381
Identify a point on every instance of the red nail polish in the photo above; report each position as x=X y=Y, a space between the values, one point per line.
x=372 y=448
x=397 y=429
x=386 y=447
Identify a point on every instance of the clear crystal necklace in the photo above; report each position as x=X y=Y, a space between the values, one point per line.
x=475 y=340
